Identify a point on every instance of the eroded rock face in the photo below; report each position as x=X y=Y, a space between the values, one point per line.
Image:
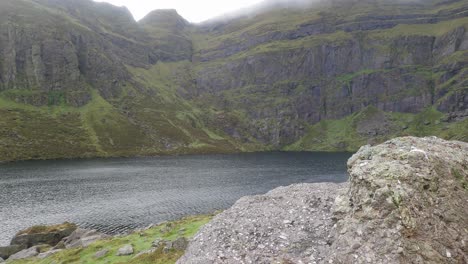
x=406 y=203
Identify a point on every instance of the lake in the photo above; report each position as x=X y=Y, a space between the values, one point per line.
x=121 y=194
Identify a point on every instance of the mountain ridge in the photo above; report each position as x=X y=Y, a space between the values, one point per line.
x=328 y=78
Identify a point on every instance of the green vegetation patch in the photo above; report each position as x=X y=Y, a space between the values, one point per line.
x=342 y=134
x=141 y=241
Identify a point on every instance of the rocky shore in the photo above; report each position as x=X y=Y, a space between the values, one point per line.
x=67 y=243
x=406 y=202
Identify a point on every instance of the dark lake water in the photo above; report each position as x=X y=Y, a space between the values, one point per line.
x=117 y=195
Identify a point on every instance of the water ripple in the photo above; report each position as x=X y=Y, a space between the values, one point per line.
x=118 y=195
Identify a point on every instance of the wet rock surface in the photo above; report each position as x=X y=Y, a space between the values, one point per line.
x=406 y=202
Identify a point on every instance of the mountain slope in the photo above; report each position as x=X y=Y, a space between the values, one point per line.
x=83 y=79
x=290 y=68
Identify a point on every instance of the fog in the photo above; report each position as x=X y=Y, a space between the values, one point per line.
x=215 y=10
x=266 y=5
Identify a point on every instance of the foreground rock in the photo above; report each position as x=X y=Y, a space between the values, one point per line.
x=287 y=224
x=407 y=202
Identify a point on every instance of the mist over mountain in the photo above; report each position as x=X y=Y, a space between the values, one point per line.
x=84 y=79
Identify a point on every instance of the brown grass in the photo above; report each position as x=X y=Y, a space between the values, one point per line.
x=46 y=229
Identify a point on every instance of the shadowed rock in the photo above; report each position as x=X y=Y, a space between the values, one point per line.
x=26 y=253
x=7 y=251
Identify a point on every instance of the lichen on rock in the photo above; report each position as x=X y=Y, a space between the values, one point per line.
x=405 y=204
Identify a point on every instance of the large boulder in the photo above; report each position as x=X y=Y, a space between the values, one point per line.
x=407 y=203
x=38 y=235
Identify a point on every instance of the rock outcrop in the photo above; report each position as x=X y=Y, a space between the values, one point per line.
x=50 y=235
x=30 y=241
x=44 y=241
x=406 y=202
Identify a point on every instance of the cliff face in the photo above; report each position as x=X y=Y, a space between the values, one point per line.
x=405 y=203
x=330 y=62
x=328 y=76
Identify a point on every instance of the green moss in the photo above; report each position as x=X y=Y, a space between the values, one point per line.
x=330 y=135
x=141 y=241
x=346 y=78
x=459 y=176
x=397 y=200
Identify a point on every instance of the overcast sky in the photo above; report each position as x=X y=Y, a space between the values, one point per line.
x=193 y=11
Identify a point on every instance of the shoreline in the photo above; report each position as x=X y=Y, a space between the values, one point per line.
x=78 y=158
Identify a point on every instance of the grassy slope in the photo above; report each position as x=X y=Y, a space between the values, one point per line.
x=335 y=135
x=157 y=121
x=140 y=241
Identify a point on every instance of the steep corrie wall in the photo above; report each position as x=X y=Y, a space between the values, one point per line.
x=81 y=79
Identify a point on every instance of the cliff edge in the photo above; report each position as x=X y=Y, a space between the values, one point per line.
x=406 y=202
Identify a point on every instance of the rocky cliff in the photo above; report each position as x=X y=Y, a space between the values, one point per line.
x=81 y=79
x=405 y=203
